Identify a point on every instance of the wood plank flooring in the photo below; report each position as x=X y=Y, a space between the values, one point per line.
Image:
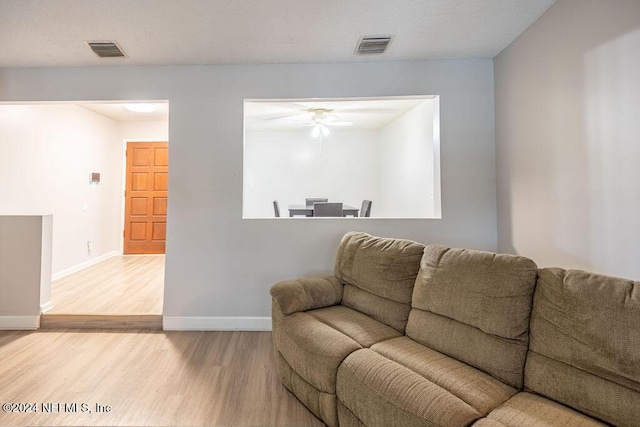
x=129 y=284
x=101 y=321
x=148 y=378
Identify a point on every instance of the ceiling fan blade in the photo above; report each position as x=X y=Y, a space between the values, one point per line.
x=283 y=119
x=289 y=105
x=303 y=117
x=359 y=109
x=264 y=117
x=341 y=123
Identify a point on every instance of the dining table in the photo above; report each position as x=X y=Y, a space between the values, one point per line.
x=307 y=210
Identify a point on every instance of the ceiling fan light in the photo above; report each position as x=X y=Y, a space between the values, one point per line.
x=324 y=129
x=316 y=131
x=141 y=107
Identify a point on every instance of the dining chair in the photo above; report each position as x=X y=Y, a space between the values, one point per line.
x=327 y=209
x=311 y=201
x=365 y=210
x=276 y=208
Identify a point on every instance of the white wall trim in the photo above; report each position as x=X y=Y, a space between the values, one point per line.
x=82 y=266
x=19 y=322
x=196 y=323
x=46 y=306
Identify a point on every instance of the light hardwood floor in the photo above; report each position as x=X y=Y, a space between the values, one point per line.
x=129 y=284
x=101 y=321
x=149 y=378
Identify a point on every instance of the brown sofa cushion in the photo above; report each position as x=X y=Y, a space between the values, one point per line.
x=380 y=392
x=488 y=422
x=315 y=342
x=363 y=329
x=491 y=292
x=385 y=310
x=585 y=344
x=476 y=388
x=381 y=271
x=526 y=409
x=475 y=306
x=313 y=349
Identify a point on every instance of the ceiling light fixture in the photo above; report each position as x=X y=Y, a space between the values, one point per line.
x=141 y=107
x=321 y=122
x=320 y=129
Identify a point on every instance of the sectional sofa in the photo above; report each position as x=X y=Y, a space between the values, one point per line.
x=408 y=335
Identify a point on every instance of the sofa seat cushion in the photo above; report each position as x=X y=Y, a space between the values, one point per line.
x=478 y=389
x=360 y=327
x=527 y=409
x=313 y=349
x=314 y=343
x=488 y=422
x=381 y=392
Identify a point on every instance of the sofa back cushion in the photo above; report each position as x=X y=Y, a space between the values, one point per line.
x=475 y=306
x=585 y=344
x=379 y=274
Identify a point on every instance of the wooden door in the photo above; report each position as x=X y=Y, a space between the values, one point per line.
x=145 y=221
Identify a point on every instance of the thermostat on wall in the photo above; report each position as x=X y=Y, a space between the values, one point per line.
x=95 y=178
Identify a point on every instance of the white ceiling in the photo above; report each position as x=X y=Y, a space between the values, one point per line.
x=295 y=114
x=117 y=111
x=54 y=33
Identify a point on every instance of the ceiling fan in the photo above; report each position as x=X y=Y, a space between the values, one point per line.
x=321 y=115
x=322 y=121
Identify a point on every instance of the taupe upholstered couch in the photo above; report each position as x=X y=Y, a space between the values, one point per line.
x=404 y=335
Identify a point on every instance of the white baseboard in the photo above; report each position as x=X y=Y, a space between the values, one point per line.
x=82 y=266
x=175 y=323
x=46 y=307
x=17 y=323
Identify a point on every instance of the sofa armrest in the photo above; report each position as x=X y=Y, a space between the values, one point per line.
x=307 y=293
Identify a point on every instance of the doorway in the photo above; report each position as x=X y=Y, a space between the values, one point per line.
x=94 y=283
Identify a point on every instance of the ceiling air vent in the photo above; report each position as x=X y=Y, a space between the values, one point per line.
x=106 y=49
x=370 y=45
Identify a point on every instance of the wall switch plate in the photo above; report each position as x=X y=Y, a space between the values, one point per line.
x=85 y=206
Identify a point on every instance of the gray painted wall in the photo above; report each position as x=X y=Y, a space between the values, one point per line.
x=567 y=127
x=218 y=264
x=25 y=269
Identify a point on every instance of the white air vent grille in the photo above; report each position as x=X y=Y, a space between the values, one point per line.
x=370 y=45
x=106 y=49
